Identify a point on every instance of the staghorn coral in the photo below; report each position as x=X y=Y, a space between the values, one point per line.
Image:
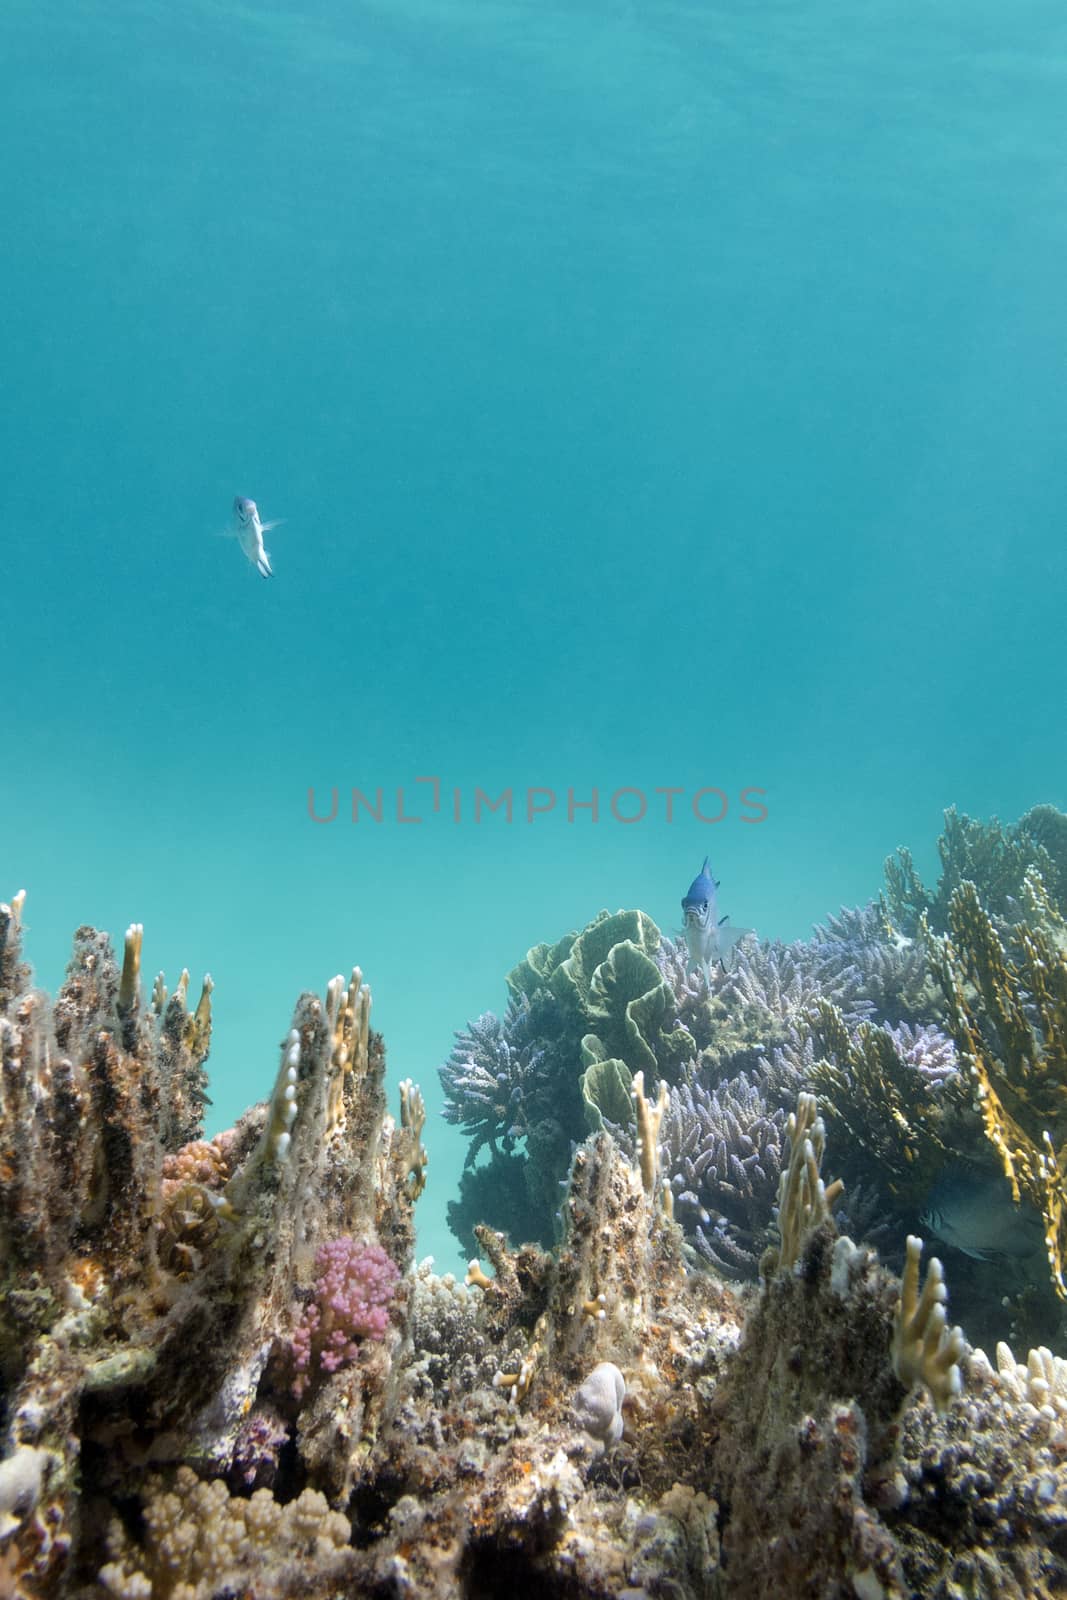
x=927 y=1051
x=722 y=1157
x=872 y=972
x=783 y=982
x=1009 y=1021
x=495 y=1079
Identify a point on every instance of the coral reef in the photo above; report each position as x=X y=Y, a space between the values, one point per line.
x=587 y=1013
x=153 y=1283
x=860 y=1013
x=896 y=1097
x=223 y=1375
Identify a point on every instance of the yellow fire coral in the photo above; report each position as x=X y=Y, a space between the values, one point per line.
x=804 y=1200
x=924 y=1350
x=882 y=1104
x=1009 y=1021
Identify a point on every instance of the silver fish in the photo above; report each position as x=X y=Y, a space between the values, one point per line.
x=248 y=530
x=708 y=939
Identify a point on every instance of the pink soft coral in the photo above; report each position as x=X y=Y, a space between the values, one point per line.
x=351 y=1299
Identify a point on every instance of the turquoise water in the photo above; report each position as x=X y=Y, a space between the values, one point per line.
x=655 y=396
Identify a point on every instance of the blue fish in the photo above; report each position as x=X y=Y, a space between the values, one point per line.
x=707 y=938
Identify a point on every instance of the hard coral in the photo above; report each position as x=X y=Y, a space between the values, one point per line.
x=1008 y=1017
x=200 y=1543
x=722 y=1156
x=147 y=1276
x=994 y=857
x=351 y=1299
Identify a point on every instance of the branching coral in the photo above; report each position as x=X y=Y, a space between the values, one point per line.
x=989 y=855
x=804 y=1200
x=722 y=1157
x=924 y=1350
x=495 y=1079
x=351 y=1298
x=889 y=1102
x=739 y=1013
x=1040 y=1381
x=200 y=1542
x=869 y=970
x=785 y=981
x=1009 y=1021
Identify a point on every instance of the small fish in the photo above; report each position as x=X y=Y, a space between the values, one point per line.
x=974 y=1213
x=248 y=530
x=707 y=938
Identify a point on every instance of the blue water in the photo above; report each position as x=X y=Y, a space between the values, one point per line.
x=655 y=395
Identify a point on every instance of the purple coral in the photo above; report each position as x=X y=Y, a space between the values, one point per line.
x=892 y=972
x=256 y=1450
x=494 y=1078
x=722 y=1155
x=350 y=1301
x=928 y=1050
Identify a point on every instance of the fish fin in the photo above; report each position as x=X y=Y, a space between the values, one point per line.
x=267 y=526
x=723 y=920
x=263 y=566
x=729 y=939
